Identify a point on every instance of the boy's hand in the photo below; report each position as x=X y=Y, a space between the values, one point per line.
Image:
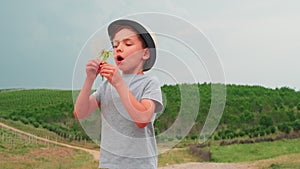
x=111 y=73
x=92 y=68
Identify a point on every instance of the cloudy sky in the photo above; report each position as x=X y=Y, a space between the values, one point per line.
x=257 y=42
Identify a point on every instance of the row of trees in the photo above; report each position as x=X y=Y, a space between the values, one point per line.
x=249 y=111
x=49 y=109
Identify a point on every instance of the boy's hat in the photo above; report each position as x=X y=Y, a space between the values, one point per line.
x=146 y=35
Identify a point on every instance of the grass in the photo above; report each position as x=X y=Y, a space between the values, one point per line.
x=282 y=162
x=76 y=160
x=22 y=152
x=252 y=152
x=41 y=132
x=176 y=156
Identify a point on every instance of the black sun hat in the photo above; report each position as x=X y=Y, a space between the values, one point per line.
x=146 y=35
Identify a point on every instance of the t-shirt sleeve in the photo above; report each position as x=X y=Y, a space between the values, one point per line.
x=153 y=91
x=96 y=94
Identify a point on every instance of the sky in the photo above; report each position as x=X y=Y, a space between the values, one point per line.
x=44 y=43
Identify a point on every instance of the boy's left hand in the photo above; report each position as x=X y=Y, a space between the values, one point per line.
x=112 y=74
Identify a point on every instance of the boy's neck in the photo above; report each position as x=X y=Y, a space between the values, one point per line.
x=133 y=73
x=137 y=71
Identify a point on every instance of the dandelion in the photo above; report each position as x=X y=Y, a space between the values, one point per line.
x=103 y=55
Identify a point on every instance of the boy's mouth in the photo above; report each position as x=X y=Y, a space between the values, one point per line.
x=119 y=58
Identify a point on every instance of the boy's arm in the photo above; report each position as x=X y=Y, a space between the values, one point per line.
x=85 y=103
x=141 y=112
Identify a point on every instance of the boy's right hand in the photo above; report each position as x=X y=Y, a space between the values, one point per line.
x=92 y=68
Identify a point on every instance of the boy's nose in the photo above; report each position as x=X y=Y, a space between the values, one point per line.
x=119 y=48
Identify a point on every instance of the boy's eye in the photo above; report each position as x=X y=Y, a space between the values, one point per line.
x=115 y=44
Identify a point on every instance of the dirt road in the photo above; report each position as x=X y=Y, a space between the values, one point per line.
x=209 y=166
x=289 y=161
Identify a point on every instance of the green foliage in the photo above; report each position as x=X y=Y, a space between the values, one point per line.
x=296 y=125
x=266 y=121
x=250 y=111
x=247 y=117
x=285 y=127
x=50 y=109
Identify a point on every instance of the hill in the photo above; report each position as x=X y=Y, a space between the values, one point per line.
x=250 y=111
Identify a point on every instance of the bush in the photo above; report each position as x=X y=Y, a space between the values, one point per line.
x=194 y=136
x=273 y=129
x=24 y=120
x=156 y=130
x=241 y=134
x=36 y=124
x=14 y=118
x=266 y=121
x=284 y=127
x=261 y=133
x=296 y=125
x=204 y=155
x=216 y=137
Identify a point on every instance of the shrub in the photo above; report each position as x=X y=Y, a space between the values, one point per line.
x=36 y=124
x=266 y=121
x=296 y=125
x=194 y=136
x=284 y=127
x=204 y=155
x=24 y=120
x=216 y=137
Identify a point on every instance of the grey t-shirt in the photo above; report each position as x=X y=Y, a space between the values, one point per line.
x=123 y=144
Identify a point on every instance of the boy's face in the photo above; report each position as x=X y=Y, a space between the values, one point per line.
x=129 y=53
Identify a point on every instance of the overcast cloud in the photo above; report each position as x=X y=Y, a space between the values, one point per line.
x=257 y=41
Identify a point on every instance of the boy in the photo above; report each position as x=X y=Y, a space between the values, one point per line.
x=128 y=100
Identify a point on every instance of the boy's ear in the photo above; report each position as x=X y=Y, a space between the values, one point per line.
x=146 y=54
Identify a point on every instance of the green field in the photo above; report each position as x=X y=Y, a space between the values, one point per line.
x=253 y=152
x=250 y=112
x=19 y=151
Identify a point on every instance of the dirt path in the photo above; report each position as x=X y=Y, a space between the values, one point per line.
x=93 y=152
x=209 y=165
x=259 y=164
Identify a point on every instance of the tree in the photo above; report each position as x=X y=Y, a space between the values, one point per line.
x=247 y=117
x=298 y=106
x=266 y=121
x=296 y=125
x=291 y=115
x=285 y=127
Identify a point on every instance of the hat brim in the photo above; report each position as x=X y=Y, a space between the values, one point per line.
x=143 y=33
